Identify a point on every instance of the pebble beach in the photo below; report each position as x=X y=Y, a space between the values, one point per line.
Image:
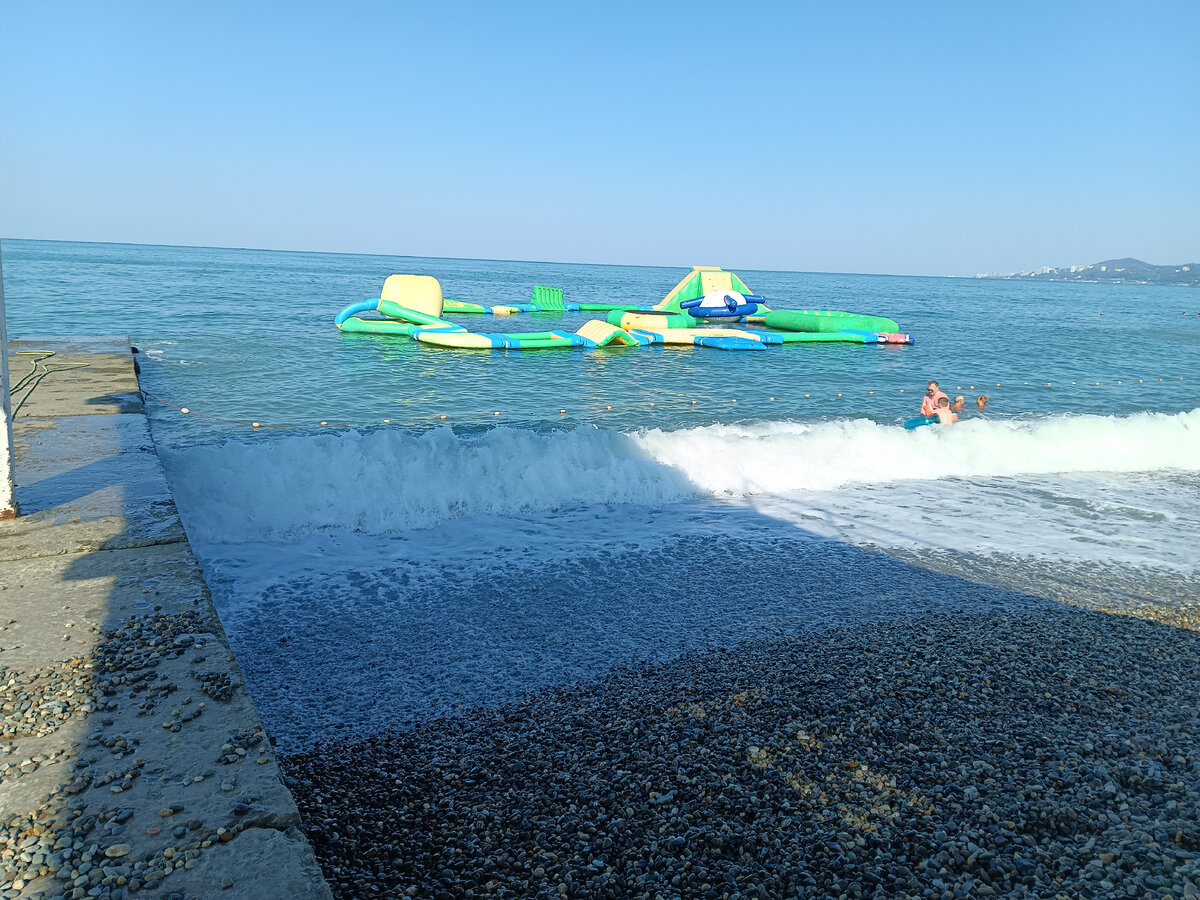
x=1044 y=750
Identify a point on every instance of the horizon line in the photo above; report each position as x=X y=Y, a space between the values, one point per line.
x=472 y=258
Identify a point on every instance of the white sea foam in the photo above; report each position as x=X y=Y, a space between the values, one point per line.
x=392 y=481
x=783 y=458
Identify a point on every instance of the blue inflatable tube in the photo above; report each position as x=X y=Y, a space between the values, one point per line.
x=354 y=308
x=918 y=421
x=729 y=342
x=729 y=308
x=729 y=312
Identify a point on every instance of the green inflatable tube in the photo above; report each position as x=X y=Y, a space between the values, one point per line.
x=827 y=337
x=396 y=311
x=826 y=321
x=537 y=340
x=355 y=325
x=663 y=319
x=605 y=307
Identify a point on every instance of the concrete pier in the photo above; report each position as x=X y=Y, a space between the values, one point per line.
x=132 y=760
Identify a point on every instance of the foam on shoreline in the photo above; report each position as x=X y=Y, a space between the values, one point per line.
x=391 y=480
x=1070 y=487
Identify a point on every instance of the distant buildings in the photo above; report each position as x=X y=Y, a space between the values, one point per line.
x=1113 y=271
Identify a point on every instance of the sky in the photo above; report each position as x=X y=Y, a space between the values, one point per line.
x=907 y=138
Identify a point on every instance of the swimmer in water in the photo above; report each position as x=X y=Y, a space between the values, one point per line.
x=930 y=400
x=945 y=415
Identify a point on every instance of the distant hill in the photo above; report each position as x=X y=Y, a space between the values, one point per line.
x=1113 y=271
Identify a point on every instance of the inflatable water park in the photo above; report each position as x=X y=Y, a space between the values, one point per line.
x=708 y=308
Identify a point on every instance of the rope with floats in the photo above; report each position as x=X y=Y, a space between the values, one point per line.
x=191 y=412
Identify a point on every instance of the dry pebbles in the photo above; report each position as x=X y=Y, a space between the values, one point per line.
x=1014 y=754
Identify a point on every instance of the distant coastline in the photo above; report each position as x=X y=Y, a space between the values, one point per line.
x=1112 y=271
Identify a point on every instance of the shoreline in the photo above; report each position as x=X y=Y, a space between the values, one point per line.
x=436 y=647
x=1036 y=752
x=433 y=647
x=1167 y=597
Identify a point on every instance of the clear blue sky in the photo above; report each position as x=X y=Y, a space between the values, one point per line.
x=922 y=138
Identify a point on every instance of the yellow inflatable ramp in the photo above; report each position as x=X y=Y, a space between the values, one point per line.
x=462 y=340
x=698 y=282
x=420 y=292
x=601 y=334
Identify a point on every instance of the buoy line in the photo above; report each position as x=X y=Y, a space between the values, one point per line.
x=655 y=404
x=187 y=411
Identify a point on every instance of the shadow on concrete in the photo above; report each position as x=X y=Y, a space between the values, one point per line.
x=139 y=756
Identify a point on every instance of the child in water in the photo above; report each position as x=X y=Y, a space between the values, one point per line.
x=945 y=415
x=981 y=402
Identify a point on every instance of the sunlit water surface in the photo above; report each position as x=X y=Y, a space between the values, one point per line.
x=417 y=511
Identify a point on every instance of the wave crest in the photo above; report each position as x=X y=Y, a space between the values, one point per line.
x=388 y=481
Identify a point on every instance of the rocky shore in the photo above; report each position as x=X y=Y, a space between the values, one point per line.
x=1049 y=752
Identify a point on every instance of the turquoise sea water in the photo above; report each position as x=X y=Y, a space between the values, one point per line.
x=248 y=334
x=458 y=560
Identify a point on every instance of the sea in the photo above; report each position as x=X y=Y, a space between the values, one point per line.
x=412 y=532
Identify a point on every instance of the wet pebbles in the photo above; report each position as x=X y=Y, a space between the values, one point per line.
x=1013 y=753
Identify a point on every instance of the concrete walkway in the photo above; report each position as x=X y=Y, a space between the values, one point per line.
x=132 y=760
